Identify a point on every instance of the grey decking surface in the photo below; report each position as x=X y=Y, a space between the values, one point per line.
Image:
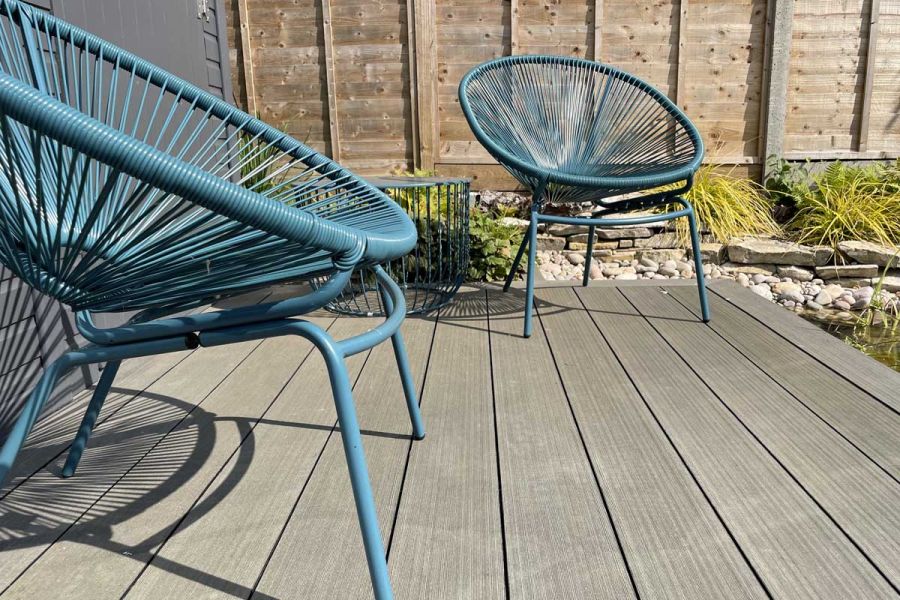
x=625 y=451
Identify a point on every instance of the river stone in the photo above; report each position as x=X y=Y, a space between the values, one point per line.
x=796 y=273
x=813 y=305
x=784 y=287
x=847 y=271
x=649 y=262
x=575 y=258
x=763 y=250
x=842 y=305
x=823 y=298
x=626 y=276
x=763 y=290
x=869 y=253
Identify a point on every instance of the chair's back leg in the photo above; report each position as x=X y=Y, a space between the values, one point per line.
x=698 y=264
x=90 y=417
x=515 y=265
x=409 y=387
x=585 y=279
x=29 y=414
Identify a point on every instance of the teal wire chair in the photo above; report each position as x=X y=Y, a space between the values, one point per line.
x=126 y=189
x=572 y=130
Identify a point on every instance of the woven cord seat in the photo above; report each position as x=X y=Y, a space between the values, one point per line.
x=572 y=130
x=124 y=188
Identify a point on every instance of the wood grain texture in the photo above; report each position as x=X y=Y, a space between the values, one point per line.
x=855 y=492
x=673 y=541
x=447 y=541
x=559 y=540
x=797 y=551
x=116 y=447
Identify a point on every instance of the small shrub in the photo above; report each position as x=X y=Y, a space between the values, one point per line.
x=849 y=203
x=727 y=206
x=492 y=248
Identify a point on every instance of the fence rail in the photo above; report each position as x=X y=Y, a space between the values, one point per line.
x=374 y=82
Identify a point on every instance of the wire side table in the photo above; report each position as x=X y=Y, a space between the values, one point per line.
x=431 y=274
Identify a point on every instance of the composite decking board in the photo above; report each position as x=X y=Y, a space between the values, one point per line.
x=40 y=510
x=180 y=468
x=675 y=544
x=866 y=373
x=793 y=546
x=853 y=490
x=447 y=540
x=559 y=539
x=862 y=419
x=320 y=554
x=251 y=499
x=53 y=435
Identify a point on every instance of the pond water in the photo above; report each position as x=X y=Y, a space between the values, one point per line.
x=877 y=341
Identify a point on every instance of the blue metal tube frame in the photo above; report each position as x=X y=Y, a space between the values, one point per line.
x=243 y=329
x=530 y=240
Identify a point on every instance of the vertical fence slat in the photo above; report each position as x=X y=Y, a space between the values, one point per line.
x=680 y=80
x=329 y=81
x=413 y=83
x=776 y=70
x=514 y=26
x=598 y=24
x=871 y=48
x=426 y=79
x=247 y=57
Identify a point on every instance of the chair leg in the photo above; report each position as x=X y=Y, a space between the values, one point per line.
x=409 y=387
x=587 y=258
x=532 y=259
x=29 y=415
x=90 y=417
x=698 y=266
x=356 y=463
x=515 y=266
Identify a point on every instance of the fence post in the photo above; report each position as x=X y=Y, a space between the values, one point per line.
x=777 y=52
x=331 y=88
x=247 y=57
x=862 y=139
x=598 y=25
x=425 y=78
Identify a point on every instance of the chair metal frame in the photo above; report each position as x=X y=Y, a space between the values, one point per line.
x=563 y=181
x=73 y=179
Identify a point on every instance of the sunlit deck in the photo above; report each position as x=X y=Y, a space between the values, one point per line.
x=626 y=450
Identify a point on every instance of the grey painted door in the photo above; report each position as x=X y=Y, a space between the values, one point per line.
x=35 y=330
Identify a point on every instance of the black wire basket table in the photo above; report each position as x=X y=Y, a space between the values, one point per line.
x=431 y=274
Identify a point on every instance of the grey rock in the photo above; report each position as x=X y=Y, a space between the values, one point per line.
x=891 y=283
x=847 y=271
x=668 y=271
x=595 y=271
x=575 y=259
x=813 y=305
x=514 y=222
x=626 y=277
x=758 y=278
x=763 y=290
x=643 y=269
x=786 y=287
x=796 y=273
x=659 y=240
x=660 y=255
x=712 y=252
x=683 y=266
x=619 y=233
x=550 y=242
x=743 y=280
x=649 y=262
x=789 y=304
x=765 y=269
x=765 y=250
x=823 y=298
x=870 y=253
x=842 y=305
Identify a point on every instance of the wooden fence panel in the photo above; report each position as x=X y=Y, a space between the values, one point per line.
x=387 y=96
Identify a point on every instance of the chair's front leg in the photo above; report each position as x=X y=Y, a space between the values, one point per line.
x=529 y=277
x=586 y=277
x=29 y=414
x=356 y=464
x=409 y=387
x=90 y=417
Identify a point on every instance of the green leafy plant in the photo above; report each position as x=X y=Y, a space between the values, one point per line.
x=785 y=180
x=493 y=245
x=849 y=203
x=727 y=206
